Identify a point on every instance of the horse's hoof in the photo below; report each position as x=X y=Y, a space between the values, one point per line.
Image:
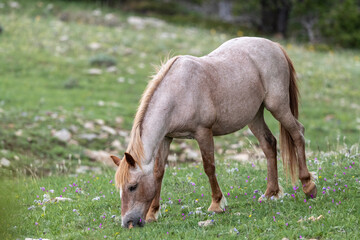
x=215 y=209
x=310 y=190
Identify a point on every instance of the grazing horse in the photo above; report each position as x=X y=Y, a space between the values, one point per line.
x=202 y=97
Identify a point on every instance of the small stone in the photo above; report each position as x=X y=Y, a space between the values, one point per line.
x=61 y=199
x=100 y=121
x=205 y=223
x=109 y=130
x=88 y=136
x=4 y=162
x=111 y=69
x=117 y=145
x=19 y=133
x=89 y=125
x=63 y=135
x=94 y=71
x=94 y=46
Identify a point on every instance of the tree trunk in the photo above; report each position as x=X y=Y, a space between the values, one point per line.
x=275 y=16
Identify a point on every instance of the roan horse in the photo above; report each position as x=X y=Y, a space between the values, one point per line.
x=202 y=97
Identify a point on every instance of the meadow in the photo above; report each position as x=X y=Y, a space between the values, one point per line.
x=71 y=76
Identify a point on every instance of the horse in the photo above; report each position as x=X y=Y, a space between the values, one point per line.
x=202 y=97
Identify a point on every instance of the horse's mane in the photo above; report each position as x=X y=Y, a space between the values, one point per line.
x=135 y=147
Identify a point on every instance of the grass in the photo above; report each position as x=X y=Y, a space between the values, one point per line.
x=47 y=49
x=185 y=198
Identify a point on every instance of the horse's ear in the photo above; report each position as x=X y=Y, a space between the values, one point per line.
x=116 y=160
x=130 y=160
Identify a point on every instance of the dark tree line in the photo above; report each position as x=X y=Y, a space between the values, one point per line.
x=335 y=21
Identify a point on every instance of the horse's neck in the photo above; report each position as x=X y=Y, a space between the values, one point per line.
x=154 y=129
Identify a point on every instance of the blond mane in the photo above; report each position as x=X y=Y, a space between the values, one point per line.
x=135 y=147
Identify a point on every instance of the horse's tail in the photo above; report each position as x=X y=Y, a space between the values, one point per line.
x=287 y=145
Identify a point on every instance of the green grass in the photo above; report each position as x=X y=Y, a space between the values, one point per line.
x=45 y=87
x=185 y=190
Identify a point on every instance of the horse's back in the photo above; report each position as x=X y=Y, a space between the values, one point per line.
x=225 y=89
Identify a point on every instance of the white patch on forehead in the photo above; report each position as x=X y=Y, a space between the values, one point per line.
x=120 y=192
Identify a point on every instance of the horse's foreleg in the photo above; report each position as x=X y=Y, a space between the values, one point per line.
x=159 y=170
x=204 y=137
x=268 y=145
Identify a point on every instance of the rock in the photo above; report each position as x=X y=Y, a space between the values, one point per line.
x=14 y=4
x=19 y=133
x=94 y=71
x=89 y=125
x=205 y=223
x=61 y=199
x=140 y=23
x=119 y=120
x=94 y=46
x=117 y=145
x=4 y=162
x=100 y=156
x=191 y=154
x=108 y=129
x=63 y=135
x=111 y=69
x=88 y=136
x=85 y=169
x=241 y=157
x=100 y=121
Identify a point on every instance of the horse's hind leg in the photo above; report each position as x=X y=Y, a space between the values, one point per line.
x=296 y=131
x=268 y=144
x=159 y=170
x=204 y=137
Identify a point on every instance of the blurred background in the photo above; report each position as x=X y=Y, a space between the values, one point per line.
x=72 y=73
x=331 y=21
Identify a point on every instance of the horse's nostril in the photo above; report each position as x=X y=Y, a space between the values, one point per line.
x=130 y=224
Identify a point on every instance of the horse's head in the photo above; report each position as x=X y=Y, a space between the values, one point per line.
x=137 y=190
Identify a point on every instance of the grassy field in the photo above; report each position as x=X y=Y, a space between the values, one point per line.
x=71 y=76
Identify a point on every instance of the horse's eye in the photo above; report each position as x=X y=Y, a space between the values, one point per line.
x=133 y=188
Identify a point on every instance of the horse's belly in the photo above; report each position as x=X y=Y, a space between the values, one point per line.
x=226 y=127
x=233 y=117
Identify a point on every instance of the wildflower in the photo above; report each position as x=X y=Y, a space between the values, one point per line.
x=110 y=181
x=250 y=216
x=74 y=210
x=36 y=223
x=309 y=206
x=304 y=200
x=274 y=218
x=235 y=230
x=286 y=224
x=51 y=190
x=256 y=191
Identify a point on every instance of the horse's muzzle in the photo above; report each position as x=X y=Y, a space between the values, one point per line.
x=132 y=220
